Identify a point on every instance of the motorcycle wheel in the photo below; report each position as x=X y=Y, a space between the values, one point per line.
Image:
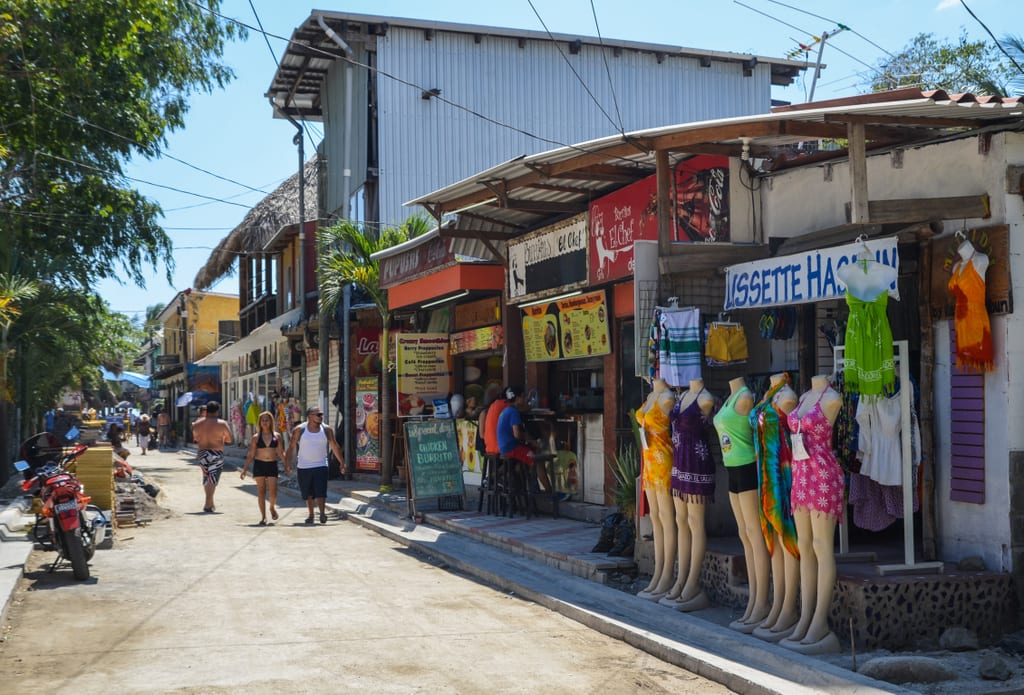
x=88 y=536
x=76 y=554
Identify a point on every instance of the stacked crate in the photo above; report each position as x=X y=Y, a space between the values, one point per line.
x=95 y=468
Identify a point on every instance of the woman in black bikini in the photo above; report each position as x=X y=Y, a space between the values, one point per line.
x=265 y=450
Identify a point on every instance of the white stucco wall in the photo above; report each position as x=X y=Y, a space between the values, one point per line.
x=802 y=201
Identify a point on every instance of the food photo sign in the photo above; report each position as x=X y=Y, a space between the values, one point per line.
x=367 y=424
x=567 y=328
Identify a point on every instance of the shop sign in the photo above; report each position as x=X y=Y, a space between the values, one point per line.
x=367 y=424
x=488 y=338
x=994 y=242
x=567 y=328
x=424 y=371
x=366 y=352
x=700 y=199
x=616 y=221
x=427 y=257
x=553 y=258
x=801 y=277
x=482 y=312
x=167 y=360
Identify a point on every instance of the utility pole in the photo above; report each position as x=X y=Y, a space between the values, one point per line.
x=817 y=64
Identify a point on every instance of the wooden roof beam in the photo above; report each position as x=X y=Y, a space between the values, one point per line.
x=606 y=172
x=919 y=121
x=544 y=206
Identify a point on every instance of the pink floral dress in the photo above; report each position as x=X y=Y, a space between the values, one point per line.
x=818 y=484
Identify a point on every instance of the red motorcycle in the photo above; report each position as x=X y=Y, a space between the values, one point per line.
x=65 y=521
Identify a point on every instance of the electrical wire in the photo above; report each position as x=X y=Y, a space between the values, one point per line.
x=607 y=70
x=989 y=31
x=776 y=19
x=841 y=25
x=571 y=66
x=351 y=61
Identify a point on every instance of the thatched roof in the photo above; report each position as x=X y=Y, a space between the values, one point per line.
x=278 y=209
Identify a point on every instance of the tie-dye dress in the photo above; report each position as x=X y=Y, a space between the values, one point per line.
x=774 y=461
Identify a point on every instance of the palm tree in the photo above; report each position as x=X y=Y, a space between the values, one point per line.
x=344 y=252
x=1014 y=47
x=13 y=291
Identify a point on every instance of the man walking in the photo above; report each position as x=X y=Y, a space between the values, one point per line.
x=211 y=434
x=163 y=427
x=308 y=447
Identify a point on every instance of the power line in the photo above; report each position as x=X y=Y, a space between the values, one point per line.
x=82 y=121
x=607 y=70
x=998 y=44
x=776 y=19
x=571 y=66
x=420 y=88
x=833 y=21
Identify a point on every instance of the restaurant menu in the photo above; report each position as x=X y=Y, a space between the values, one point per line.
x=567 y=328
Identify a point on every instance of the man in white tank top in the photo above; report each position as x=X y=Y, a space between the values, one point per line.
x=308 y=447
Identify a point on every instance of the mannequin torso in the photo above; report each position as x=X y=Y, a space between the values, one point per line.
x=742 y=404
x=705 y=401
x=969 y=254
x=785 y=399
x=866 y=279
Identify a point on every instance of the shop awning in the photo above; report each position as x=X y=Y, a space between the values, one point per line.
x=140 y=380
x=457 y=281
x=264 y=335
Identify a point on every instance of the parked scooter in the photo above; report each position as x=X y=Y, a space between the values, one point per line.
x=65 y=521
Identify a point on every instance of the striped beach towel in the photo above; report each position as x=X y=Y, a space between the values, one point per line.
x=679 y=349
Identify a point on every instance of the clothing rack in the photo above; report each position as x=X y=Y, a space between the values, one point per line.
x=901 y=356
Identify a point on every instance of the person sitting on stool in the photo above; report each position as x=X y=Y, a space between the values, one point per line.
x=513 y=440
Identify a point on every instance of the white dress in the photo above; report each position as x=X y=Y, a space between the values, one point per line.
x=879 y=445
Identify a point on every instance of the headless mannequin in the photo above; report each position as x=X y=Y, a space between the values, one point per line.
x=745 y=510
x=660 y=503
x=866 y=278
x=815 y=535
x=691 y=537
x=969 y=254
x=783 y=616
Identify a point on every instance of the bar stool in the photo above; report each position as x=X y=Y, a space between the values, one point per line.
x=488 y=483
x=520 y=486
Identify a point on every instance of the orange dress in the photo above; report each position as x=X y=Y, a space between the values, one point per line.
x=657 y=458
x=973 y=333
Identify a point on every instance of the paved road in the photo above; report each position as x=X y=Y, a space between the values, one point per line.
x=213 y=603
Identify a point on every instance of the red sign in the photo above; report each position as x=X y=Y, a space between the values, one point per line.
x=700 y=199
x=427 y=257
x=616 y=221
x=366 y=352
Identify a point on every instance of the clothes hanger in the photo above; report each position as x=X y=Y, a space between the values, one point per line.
x=725 y=320
x=864 y=257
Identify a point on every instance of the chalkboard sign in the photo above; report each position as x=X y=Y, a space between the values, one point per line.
x=435 y=467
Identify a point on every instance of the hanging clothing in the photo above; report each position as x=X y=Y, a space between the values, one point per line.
x=657 y=457
x=876 y=507
x=252 y=413
x=870 y=368
x=693 y=469
x=845 y=428
x=735 y=435
x=879 y=447
x=282 y=417
x=818 y=482
x=679 y=347
x=774 y=460
x=973 y=332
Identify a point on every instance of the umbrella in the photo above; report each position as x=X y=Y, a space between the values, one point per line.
x=184 y=399
x=124 y=405
x=140 y=380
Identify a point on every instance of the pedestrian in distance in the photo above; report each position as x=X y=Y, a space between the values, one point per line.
x=211 y=434
x=163 y=427
x=308 y=448
x=265 y=450
x=144 y=431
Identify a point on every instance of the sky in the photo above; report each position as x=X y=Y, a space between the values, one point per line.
x=232 y=144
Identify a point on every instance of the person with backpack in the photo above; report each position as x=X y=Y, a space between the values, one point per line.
x=144 y=430
x=308 y=448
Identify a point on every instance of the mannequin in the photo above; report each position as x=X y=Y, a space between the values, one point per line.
x=736 y=437
x=693 y=486
x=869 y=358
x=973 y=331
x=657 y=473
x=771 y=444
x=818 y=502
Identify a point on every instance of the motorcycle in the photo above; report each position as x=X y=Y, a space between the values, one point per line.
x=65 y=519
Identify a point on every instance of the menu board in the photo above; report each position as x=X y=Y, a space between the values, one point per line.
x=567 y=328
x=435 y=465
x=424 y=371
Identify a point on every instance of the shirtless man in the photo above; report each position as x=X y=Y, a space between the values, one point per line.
x=211 y=434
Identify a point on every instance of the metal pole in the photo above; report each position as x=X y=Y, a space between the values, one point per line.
x=817 y=65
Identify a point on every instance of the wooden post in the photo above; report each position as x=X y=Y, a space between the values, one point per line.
x=858 y=173
x=664 y=180
x=927 y=411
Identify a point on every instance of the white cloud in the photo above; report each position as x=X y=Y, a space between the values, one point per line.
x=946 y=5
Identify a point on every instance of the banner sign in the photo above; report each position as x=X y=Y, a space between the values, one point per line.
x=801 y=277
x=616 y=221
x=425 y=257
x=367 y=424
x=553 y=258
x=490 y=338
x=424 y=370
x=482 y=312
x=566 y=329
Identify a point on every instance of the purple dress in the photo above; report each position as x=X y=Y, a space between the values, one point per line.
x=693 y=469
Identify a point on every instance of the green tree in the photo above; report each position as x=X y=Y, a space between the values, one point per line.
x=344 y=252
x=955 y=66
x=84 y=86
x=1014 y=47
x=14 y=291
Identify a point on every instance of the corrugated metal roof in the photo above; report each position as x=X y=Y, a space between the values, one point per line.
x=503 y=195
x=296 y=86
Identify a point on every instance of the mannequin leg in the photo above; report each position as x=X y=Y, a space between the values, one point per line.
x=778 y=583
x=755 y=555
x=823 y=528
x=698 y=545
x=788 y=616
x=663 y=526
x=808 y=573
x=682 y=549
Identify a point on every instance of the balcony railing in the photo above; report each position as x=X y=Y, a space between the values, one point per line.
x=257 y=313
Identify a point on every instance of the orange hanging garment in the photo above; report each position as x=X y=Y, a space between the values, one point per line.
x=973 y=334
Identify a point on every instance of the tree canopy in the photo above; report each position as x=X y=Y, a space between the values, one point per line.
x=956 y=66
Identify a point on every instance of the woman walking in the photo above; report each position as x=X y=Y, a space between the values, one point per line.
x=144 y=431
x=265 y=450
